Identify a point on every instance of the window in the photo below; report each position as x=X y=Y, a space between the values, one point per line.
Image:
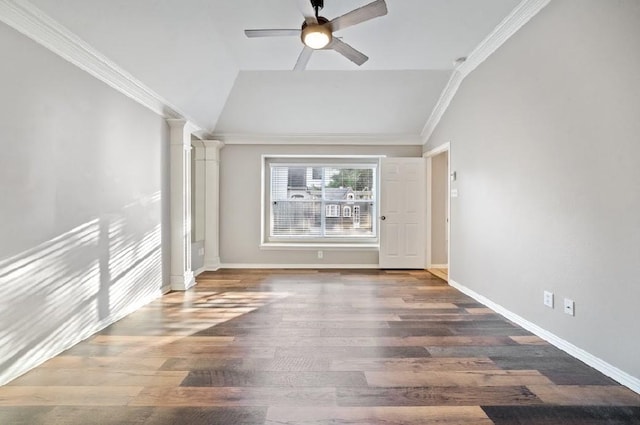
x=332 y=211
x=308 y=201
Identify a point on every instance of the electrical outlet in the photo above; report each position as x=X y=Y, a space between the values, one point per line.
x=548 y=299
x=320 y=255
x=569 y=307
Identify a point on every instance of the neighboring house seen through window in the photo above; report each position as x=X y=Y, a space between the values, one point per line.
x=321 y=202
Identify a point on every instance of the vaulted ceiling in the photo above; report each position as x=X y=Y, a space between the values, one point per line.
x=194 y=54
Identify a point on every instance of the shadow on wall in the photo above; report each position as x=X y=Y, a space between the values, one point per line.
x=64 y=290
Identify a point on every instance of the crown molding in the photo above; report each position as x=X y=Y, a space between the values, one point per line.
x=442 y=105
x=356 y=139
x=518 y=17
x=32 y=22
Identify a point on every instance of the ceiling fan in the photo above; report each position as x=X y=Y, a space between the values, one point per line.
x=317 y=32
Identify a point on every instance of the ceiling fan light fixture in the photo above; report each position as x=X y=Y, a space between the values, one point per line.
x=316 y=36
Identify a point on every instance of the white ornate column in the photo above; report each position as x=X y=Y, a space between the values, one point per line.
x=180 y=163
x=199 y=190
x=212 y=204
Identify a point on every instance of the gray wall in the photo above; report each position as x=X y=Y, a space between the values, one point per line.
x=83 y=209
x=240 y=185
x=544 y=138
x=439 y=202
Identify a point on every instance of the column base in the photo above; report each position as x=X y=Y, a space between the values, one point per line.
x=212 y=264
x=183 y=282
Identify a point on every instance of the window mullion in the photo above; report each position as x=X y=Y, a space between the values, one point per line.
x=323 y=209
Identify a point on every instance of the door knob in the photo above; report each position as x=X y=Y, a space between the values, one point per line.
x=383 y=218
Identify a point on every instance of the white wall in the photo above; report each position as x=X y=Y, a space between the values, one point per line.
x=82 y=204
x=240 y=185
x=544 y=139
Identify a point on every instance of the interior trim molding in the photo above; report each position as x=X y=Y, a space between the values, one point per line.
x=611 y=371
x=445 y=147
x=442 y=105
x=32 y=22
x=319 y=138
x=297 y=266
x=518 y=17
x=199 y=271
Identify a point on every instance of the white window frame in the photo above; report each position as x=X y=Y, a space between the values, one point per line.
x=332 y=211
x=343 y=242
x=346 y=211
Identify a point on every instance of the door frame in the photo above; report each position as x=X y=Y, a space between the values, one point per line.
x=445 y=147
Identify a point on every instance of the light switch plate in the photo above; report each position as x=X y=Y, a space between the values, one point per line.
x=548 y=299
x=454 y=193
x=569 y=307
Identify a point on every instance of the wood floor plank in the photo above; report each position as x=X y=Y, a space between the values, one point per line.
x=467 y=378
x=234 y=396
x=343 y=352
x=565 y=415
x=529 y=340
x=586 y=395
x=112 y=363
x=84 y=415
x=227 y=378
x=104 y=377
x=436 y=396
x=423 y=365
x=447 y=415
x=67 y=396
x=408 y=341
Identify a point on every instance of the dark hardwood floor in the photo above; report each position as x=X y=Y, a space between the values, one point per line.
x=316 y=347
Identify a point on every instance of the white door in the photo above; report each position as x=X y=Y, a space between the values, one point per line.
x=402 y=213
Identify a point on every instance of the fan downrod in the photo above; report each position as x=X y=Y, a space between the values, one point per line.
x=317 y=5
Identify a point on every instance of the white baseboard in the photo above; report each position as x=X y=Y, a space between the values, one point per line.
x=297 y=266
x=199 y=271
x=611 y=371
x=183 y=282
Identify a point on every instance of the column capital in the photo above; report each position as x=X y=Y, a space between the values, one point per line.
x=180 y=131
x=212 y=149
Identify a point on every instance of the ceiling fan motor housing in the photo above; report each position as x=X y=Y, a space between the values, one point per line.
x=315 y=31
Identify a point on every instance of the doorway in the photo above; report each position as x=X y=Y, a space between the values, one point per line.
x=437 y=235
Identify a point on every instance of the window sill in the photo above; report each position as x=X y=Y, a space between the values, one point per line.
x=324 y=246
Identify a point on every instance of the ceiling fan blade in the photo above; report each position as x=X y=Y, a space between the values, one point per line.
x=348 y=52
x=270 y=33
x=307 y=11
x=356 y=16
x=303 y=59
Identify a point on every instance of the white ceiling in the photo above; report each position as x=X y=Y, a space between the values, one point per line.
x=194 y=54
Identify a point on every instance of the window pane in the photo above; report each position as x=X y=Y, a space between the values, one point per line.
x=316 y=202
x=357 y=222
x=297 y=178
x=346 y=188
x=359 y=180
x=296 y=218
